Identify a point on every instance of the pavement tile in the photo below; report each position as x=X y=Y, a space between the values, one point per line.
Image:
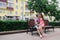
x=24 y=36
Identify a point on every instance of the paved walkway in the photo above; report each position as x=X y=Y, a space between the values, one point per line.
x=24 y=36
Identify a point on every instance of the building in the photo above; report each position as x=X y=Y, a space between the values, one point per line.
x=29 y=13
x=14 y=9
x=11 y=9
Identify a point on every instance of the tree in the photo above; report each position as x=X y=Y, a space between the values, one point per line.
x=53 y=7
x=57 y=15
x=45 y=6
x=38 y=5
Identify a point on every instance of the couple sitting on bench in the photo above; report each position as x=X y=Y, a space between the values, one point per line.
x=40 y=25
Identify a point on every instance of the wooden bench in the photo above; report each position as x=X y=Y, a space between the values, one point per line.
x=31 y=24
x=47 y=26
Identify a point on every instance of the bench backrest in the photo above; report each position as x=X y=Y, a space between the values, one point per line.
x=46 y=22
x=31 y=23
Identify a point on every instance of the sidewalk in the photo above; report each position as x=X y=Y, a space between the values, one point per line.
x=11 y=32
x=24 y=36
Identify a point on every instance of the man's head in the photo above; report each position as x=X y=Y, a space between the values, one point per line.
x=40 y=15
x=36 y=15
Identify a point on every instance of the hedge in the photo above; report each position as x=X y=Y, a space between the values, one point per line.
x=12 y=25
x=18 y=25
x=54 y=23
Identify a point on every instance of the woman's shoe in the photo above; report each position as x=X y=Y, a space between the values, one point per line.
x=41 y=36
x=44 y=35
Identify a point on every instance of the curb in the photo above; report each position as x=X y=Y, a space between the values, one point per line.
x=12 y=32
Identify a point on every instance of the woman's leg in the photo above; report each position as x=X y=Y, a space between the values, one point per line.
x=38 y=30
x=41 y=30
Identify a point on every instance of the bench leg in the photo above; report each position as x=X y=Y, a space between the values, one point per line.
x=31 y=30
x=32 y=33
x=53 y=29
x=27 y=31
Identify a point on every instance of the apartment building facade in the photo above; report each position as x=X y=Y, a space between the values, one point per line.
x=14 y=9
x=29 y=13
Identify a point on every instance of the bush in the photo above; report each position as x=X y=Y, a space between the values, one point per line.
x=54 y=23
x=12 y=25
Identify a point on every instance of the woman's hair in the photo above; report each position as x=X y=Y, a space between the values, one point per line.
x=36 y=15
x=42 y=16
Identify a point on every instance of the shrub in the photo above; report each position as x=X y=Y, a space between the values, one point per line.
x=13 y=25
x=54 y=23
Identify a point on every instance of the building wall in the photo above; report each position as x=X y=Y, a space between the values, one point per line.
x=15 y=8
x=11 y=8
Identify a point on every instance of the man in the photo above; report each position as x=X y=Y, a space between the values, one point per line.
x=36 y=24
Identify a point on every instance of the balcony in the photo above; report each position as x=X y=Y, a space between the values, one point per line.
x=27 y=10
x=2 y=5
x=3 y=0
x=10 y=1
x=31 y=11
x=10 y=8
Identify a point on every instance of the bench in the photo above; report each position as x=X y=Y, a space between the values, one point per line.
x=31 y=24
x=47 y=26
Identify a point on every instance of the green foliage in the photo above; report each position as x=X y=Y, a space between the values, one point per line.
x=19 y=25
x=53 y=7
x=54 y=23
x=42 y=6
x=57 y=15
x=12 y=25
x=37 y=5
x=45 y=6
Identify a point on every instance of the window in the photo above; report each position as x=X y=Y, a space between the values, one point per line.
x=21 y=13
x=16 y=7
x=0 y=11
x=10 y=4
x=22 y=3
x=2 y=5
x=3 y=11
x=16 y=12
x=21 y=7
x=16 y=1
x=26 y=3
x=10 y=12
x=27 y=8
x=11 y=1
x=27 y=14
x=9 y=16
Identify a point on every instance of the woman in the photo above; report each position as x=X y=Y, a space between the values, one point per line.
x=41 y=25
x=37 y=21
